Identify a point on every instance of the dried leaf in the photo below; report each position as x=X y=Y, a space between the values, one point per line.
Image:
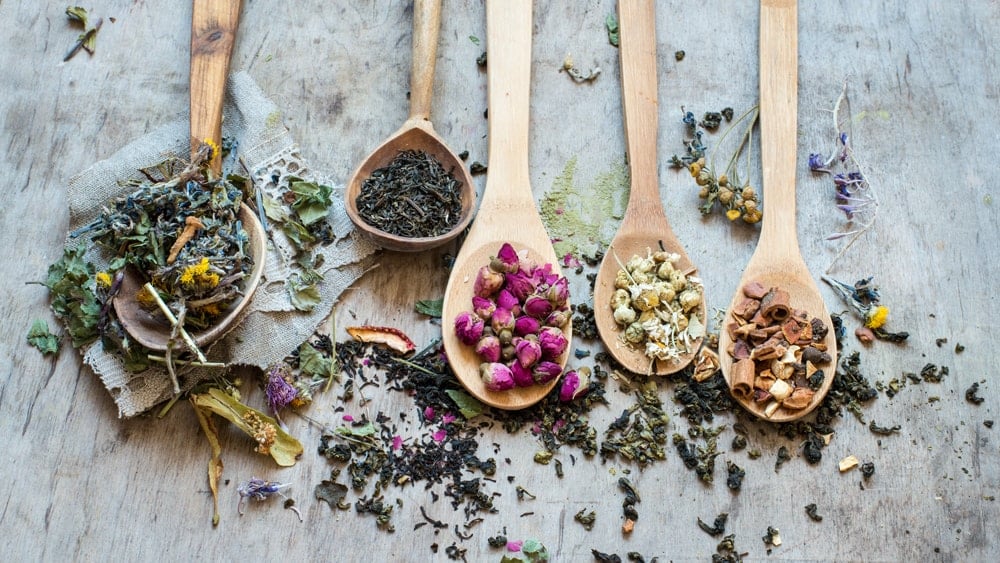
x=331 y=492
x=359 y=432
x=312 y=200
x=467 y=404
x=284 y=449
x=215 y=464
x=40 y=337
x=313 y=364
x=70 y=280
x=611 y=22
x=303 y=291
x=430 y=307
x=77 y=14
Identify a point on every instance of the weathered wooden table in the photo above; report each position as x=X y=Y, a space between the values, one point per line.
x=83 y=484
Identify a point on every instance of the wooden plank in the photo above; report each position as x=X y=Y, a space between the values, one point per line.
x=84 y=485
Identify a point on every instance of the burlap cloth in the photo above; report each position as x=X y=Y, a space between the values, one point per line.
x=270 y=327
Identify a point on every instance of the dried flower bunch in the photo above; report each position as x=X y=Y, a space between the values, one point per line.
x=735 y=196
x=179 y=229
x=777 y=350
x=658 y=306
x=864 y=299
x=516 y=323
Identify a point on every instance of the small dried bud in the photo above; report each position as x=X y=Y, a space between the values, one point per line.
x=537 y=306
x=749 y=194
x=496 y=376
x=648 y=298
x=574 y=384
x=468 y=328
x=690 y=299
x=526 y=325
x=483 y=307
x=620 y=297
x=488 y=349
x=488 y=282
x=558 y=293
x=558 y=319
x=528 y=352
x=520 y=284
x=545 y=372
x=634 y=333
x=553 y=343
x=506 y=260
x=622 y=281
x=522 y=376
x=624 y=315
x=725 y=196
x=506 y=300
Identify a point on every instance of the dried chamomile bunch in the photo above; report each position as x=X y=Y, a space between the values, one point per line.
x=658 y=306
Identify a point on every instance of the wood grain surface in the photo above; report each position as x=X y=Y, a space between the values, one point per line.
x=83 y=485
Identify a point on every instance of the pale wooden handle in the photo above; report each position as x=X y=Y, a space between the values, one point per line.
x=508 y=41
x=639 y=98
x=426 y=25
x=213 y=34
x=778 y=119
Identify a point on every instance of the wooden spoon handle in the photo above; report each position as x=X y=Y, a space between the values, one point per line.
x=639 y=100
x=213 y=34
x=508 y=39
x=426 y=25
x=778 y=119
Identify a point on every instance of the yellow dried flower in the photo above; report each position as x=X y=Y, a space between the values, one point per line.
x=103 y=279
x=263 y=432
x=197 y=276
x=733 y=214
x=214 y=146
x=694 y=168
x=145 y=298
x=877 y=316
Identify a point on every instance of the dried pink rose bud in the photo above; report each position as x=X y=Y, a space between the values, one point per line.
x=502 y=320
x=468 y=327
x=558 y=318
x=545 y=372
x=506 y=261
x=488 y=349
x=506 y=300
x=537 y=306
x=483 y=307
x=553 y=342
x=528 y=352
x=496 y=376
x=574 y=384
x=558 y=292
x=526 y=325
x=488 y=282
x=522 y=375
x=520 y=285
x=543 y=275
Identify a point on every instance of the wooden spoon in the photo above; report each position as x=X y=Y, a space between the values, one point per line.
x=644 y=227
x=507 y=212
x=213 y=34
x=777 y=261
x=417 y=134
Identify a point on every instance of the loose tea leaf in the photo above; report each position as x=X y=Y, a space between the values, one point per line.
x=717 y=528
x=331 y=493
x=811 y=512
x=611 y=23
x=468 y=405
x=46 y=342
x=430 y=307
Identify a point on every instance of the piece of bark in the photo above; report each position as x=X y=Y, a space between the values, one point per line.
x=775 y=305
x=743 y=379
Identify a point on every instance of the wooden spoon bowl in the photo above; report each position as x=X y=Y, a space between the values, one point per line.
x=507 y=212
x=213 y=35
x=416 y=134
x=777 y=262
x=644 y=227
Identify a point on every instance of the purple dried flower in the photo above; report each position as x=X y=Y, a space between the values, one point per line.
x=558 y=318
x=488 y=349
x=553 y=342
x=483 y=307
x=522 y=375
x=526 y=325
x=528 y=352
x=502 y=320
x=506 y=261
x=506 y=300
x=574 y=384
x=258 y=489
x=817 y=163
x=545 y=372
x=537 y=306
x=488 y=282
x=469 y=327
x=520 y=285
x=278 y=391
x=558 y=292
x=496 y=376
x=544 y=275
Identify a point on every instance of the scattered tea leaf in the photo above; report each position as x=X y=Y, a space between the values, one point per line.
x=430 y=307
x=467 y=404
x=46 y=342
x=811 y=512
x=717 y=528
x=332 y=493
x=611 y=23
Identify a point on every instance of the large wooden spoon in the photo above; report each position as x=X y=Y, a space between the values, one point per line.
x=213 y=34
x=777 y=261
x=417 y=134
x=507 y=212
x=644 y=227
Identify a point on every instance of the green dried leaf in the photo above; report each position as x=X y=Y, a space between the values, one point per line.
x=40 y=337
x=474 y=39
x=70 y=280
x=275 y=210
x=298 y=234
x=331 y=492
x=359 y=432
x=467 y=405
x=611 y=22
x=430 y=307
x=303 y=291
x=284 y=449
x=77 y=14
x=312 y=200
x=313 y=364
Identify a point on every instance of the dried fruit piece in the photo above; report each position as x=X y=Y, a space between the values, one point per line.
x=848 y=463
x=394 y=338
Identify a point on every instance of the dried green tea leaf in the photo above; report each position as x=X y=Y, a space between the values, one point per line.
x=77 y=14
x=331 y=492
x=313 y=364
x=312 y=200
x=430 y=307
x=271 y=438
x=467 y=404
x=611 y=22
x=299 y=235
x=474 y=39
x=40 y=337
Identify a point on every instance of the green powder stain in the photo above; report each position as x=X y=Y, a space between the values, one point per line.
x=583 y=219
x=273 y=119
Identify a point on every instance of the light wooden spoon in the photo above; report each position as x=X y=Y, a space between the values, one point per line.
x=644 y=227
x=777 y=261
x=507 y=212
x=213 y=34
x=417 y=134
